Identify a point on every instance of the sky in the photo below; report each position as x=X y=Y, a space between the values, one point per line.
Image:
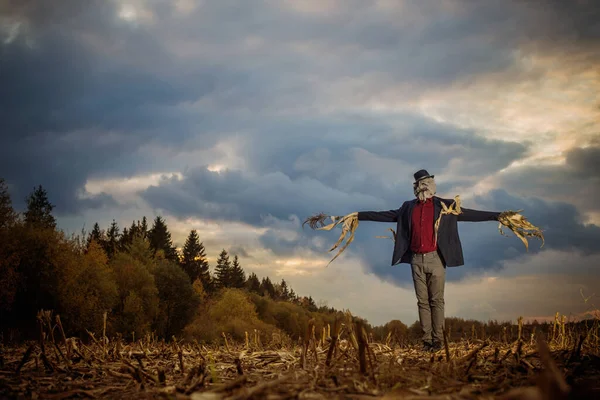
x=241 y=118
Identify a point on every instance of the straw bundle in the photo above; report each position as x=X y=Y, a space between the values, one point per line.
x=520 y=226
x=349 y=224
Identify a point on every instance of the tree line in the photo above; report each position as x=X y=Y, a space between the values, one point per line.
x=145 y=285
x=137 y=276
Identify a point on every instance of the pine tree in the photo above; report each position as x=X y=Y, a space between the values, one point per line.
x=125 y=240
x=311 y=305
x=7 y=213
x=160 y=239
x=143 y=228
x=292 y=297
x=134 y=229
x=39 y=209
x=97 y=235
x=267 y=288
x=223 y=271
x=284 y=291
x=238 y=277
x=253 y=284
x=194 y=261
x=112 y=239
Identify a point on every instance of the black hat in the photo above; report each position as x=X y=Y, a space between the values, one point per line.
x=422 y=174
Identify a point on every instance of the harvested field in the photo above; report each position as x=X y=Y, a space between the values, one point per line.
x=351 y=368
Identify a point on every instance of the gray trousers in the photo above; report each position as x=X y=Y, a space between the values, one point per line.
x=429 y=276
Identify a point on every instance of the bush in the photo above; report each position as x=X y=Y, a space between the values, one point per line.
x=232 y=313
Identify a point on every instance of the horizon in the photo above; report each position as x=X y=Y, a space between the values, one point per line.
x=239 y=120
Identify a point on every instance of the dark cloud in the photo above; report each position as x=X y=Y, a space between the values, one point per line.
x=585 y=163
x=75 y=72
x=232 y=195
x=577 y=181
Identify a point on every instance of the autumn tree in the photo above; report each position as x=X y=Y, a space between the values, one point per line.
x=232 y=313
x=193 y=260
x=137 y=304
x=140 y=250
x=160 y=239
x=238 y=277
x=39 y=209
x=87 y=290
x=223 y=271
x=178 y=300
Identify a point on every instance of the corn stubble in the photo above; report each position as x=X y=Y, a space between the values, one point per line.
x=341 y=361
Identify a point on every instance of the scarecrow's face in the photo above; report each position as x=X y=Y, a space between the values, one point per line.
x=424 y=189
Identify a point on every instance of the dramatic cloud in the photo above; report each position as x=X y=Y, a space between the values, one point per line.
x=240 y=119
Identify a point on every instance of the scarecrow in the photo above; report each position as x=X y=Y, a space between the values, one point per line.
x=426 y=237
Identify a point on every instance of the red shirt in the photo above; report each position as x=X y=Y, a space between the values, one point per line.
x=423 y=237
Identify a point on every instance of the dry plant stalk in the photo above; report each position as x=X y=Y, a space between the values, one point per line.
x=362 y=352
x=562 y=332
x=307 y=338
x=520 y=320
x=349 y=224
x=520 y=226
x=334 y=340
x=453 y=209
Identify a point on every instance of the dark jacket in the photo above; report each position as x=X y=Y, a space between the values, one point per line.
x=449 y=246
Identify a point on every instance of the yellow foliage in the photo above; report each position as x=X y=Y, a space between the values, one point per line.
x=199 y=289
x=87 y=289
x=233 y=304
x=135 y=283
x=232 y=313
x=133 y=318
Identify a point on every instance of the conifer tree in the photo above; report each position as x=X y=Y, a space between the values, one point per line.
x=292 y=297
x=160 y=239
x=193 y=260
x=125 y=240
x=238 y=277
x=223 y=271
x=39 y=209
x=143 y=228
x=134 y=229
x=7 y=213
x=112 y=239
x=253 y=284
x=267 y=288
x=97 y=235
x=284 y=291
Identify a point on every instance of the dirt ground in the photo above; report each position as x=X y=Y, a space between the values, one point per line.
x=143 y=370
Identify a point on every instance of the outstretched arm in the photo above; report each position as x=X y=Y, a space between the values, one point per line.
x=379 y=216
x=469 y=215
